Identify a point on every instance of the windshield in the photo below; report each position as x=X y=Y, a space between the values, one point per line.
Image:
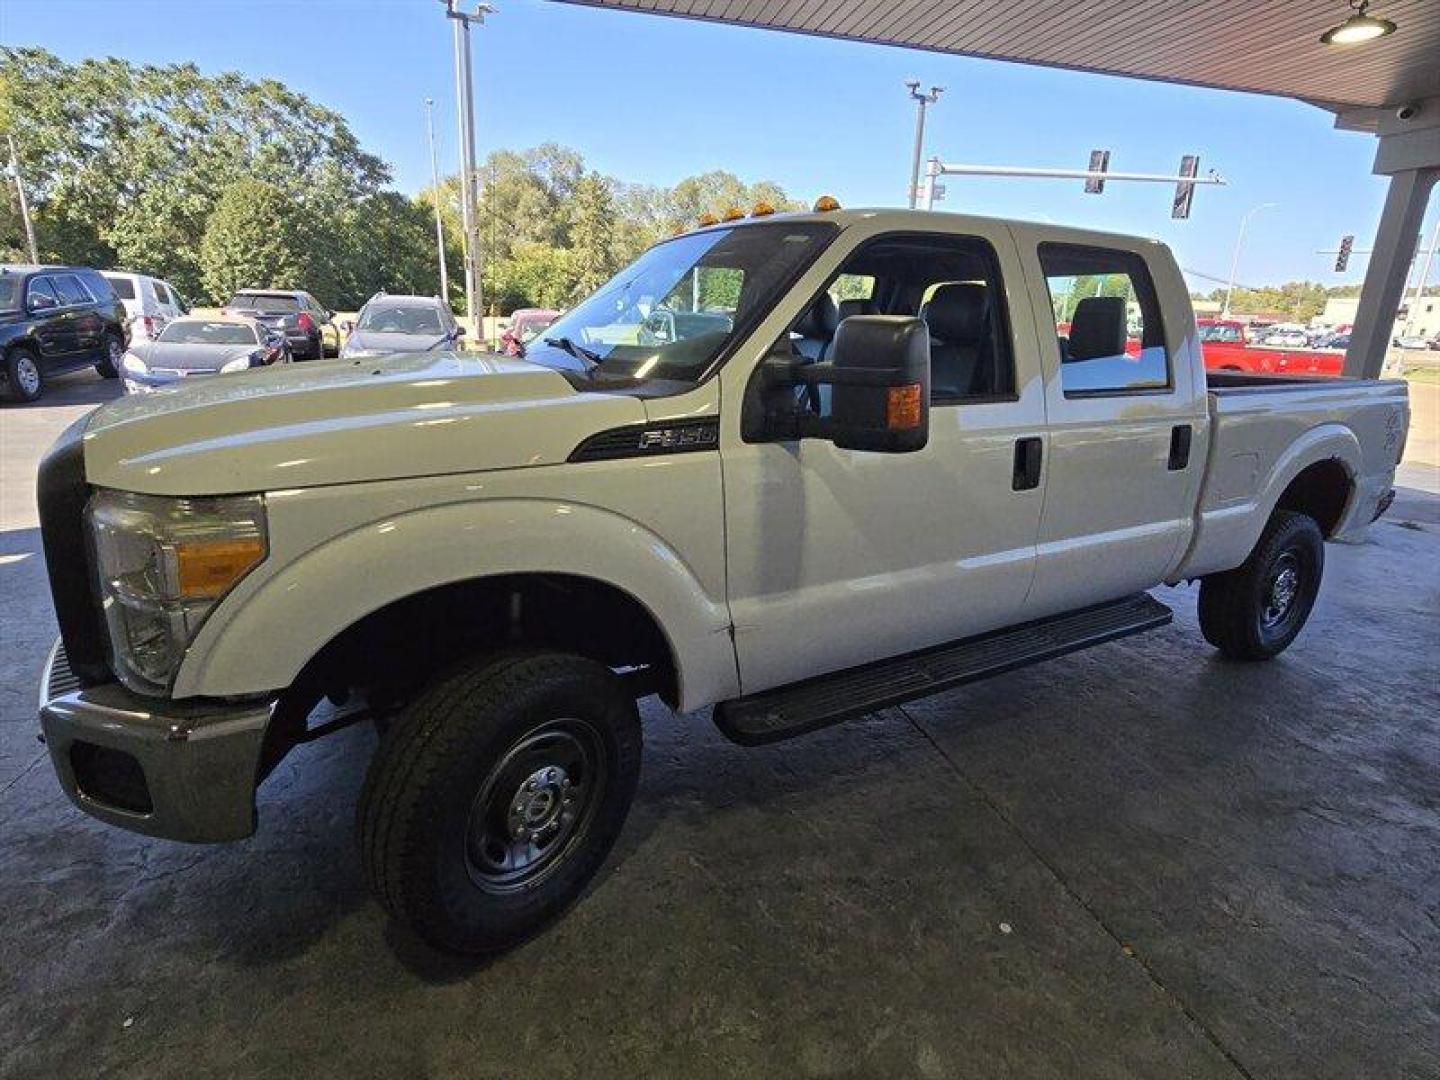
x=9 y=293
x=673 y=311
x=207 y=333
x=400 y=319
x=1219 y=332
x=530 y=328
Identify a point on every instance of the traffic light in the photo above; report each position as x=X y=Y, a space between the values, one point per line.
x=1342 y=257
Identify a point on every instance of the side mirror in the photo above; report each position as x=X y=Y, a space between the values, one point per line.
x=42 y=303
x=881 y=397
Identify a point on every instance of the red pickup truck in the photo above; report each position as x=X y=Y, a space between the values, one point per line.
x=1228 y=347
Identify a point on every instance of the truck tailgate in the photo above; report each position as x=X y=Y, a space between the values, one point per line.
x=1264 y=430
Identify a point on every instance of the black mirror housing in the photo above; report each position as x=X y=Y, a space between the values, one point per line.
x=881 y=381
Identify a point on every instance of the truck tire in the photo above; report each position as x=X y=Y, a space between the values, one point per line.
x=112 y=352
x=496 y=795
x=24 y=379
x=1255 y=611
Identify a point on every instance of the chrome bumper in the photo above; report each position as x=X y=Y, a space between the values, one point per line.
x=178 y=770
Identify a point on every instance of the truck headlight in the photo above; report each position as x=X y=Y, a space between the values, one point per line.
x=163 y=564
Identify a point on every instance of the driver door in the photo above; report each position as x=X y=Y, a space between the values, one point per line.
x=55 y=331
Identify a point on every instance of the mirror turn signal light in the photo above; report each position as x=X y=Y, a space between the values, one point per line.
x=825 y=203
x=902 y=407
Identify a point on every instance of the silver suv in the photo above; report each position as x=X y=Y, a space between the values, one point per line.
x=391 y=324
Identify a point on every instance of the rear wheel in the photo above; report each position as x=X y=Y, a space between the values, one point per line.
x=1255 y=611
x=109 y=363
x=496 y=795
x=23 y=379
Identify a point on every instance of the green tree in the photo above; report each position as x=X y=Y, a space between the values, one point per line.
x=254 y=237
x=592 y=235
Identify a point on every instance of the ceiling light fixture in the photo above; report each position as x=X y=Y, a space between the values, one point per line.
x=1358 y=27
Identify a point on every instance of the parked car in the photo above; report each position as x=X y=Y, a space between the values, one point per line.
x=526 y=324
x=1339 y=340
x=149 y=302
x=55 y=319
x=307 y=324
x=506 y=554
x=192 y=347
x=1410 y=341
x=1288 y=339
x=396 y=324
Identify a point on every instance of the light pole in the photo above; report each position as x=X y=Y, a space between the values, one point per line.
x=24 y=203
x=1413 y=308
x=435 y=183
x=1235 y=258
x=465 y=97
x=921 y=101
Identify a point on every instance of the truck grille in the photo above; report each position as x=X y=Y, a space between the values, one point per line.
x=61 y=494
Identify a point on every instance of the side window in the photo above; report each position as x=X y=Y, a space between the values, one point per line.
x=1107 y=320
x=41 y=289
x=70 y=289
x=852 y=287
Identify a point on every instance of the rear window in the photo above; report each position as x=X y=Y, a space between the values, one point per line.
x=124 y=287
x=264 y=302
x=1107 y=321
x=205 y=332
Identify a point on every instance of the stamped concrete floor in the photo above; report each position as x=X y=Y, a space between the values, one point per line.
x=1138 y=861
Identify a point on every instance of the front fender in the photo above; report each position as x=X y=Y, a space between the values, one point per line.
x=263 y=634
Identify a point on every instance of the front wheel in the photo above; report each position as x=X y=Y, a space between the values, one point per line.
x=1255 y=611
x=496 y=795
x=23 y=378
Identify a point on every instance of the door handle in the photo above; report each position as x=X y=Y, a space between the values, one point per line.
x=1179 y=447
x=1028 y=453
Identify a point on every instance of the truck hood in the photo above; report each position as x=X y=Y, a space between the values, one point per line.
x=345 y=421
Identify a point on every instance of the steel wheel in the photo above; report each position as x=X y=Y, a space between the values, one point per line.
x=535 y=805
x=1282 y=588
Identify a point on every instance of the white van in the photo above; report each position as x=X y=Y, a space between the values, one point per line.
x=149 y=302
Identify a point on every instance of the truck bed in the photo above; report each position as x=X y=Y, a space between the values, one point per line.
x=1263 y=427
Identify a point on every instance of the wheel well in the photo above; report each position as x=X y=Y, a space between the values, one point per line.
x=397 y=648
x=1322 y=491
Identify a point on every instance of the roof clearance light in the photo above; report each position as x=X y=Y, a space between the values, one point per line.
x=1358 y=27
x=825 y=203
x=762 y=209
x=732 y=213
x=708 y=219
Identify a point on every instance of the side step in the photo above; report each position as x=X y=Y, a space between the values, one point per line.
x=786 y=711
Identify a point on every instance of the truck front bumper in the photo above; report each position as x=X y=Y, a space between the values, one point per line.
x=178 y=770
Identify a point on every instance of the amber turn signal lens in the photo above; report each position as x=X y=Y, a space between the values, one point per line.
x=762 y=209
x=733 y=213
x=208 y=567
x=708 y=219
x=826 y=203
x=902 y=409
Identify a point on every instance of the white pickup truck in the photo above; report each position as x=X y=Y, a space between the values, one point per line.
x=793 y=467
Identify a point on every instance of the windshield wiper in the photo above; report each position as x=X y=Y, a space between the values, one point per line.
x=577 y=351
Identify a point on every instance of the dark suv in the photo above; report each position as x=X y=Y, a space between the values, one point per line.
x=55 y=319
x=296 y=314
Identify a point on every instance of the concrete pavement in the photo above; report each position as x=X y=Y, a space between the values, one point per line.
x=1139 y=861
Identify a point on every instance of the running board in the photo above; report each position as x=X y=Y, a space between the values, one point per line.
x=801 y=707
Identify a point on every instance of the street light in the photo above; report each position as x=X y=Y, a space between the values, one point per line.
x=435 y=182
x=921 y=101
x=1235 y=258
x=465 y=98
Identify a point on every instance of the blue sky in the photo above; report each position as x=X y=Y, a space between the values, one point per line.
x=655 y=99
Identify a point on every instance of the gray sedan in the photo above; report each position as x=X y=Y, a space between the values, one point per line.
x=391 y=324
x=195 y=346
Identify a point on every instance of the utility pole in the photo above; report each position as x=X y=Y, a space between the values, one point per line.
x=1414 y=306
x=24 y=203
x=1235 y=258
x=465 y=97
x=435 y=181
x=921 y=102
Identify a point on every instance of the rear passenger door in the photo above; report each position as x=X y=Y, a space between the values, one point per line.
x=55 y=324
x=1121 y=482
x=86 y=322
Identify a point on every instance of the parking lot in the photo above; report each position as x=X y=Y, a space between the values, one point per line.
x=1136 y=861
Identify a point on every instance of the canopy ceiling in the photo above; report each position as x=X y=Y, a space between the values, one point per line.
x=1264 y=46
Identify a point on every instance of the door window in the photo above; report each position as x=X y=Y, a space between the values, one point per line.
x=71 y=291
x=1107 y=321
x=42 y=289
